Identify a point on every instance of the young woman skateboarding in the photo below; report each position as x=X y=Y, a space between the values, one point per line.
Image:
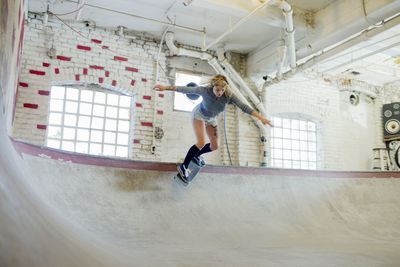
x=216 y=95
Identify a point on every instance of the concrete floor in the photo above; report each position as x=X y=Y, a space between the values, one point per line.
x=57 y=213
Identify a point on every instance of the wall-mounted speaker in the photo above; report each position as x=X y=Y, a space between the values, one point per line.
x=391 y=121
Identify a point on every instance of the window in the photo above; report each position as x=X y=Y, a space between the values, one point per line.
x=95 y=122
x=181 y=101
x=293 y=143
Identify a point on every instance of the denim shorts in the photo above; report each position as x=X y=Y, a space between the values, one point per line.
x=196 y=114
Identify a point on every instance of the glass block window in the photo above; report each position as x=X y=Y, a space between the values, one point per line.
x=293 y=143
x=181 y=102
x=95 y=122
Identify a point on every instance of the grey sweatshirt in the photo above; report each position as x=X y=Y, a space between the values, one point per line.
x=212 y=106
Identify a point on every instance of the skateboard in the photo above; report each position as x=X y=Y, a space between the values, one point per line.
x=193 y=169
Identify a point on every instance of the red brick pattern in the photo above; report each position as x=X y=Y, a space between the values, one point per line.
x=133 y=82
x=114 y=83
x=147 y=97
x=43 y=92
x=23 y=84
x=44 y=64
x=144 y=80
x=131 y=69
x=139 y=105
x=120 y=58
x=37 y=72
x=96 y=41
x=161 y=95
x=84 y=71
x=135 y=141
x=82 y=47
x=64 y=58
x=160 y=112
x=57 y=71
x=146 y=124
x=96 y=67
x=32 y=106
x=41 y=127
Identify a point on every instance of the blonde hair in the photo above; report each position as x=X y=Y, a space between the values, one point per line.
x=220 y=80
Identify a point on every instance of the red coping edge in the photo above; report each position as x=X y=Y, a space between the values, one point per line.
x=35 y=150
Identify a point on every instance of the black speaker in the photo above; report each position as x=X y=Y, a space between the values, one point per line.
x=391 y=121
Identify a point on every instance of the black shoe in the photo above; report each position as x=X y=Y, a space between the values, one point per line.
x=199 y=161
x=183 y=173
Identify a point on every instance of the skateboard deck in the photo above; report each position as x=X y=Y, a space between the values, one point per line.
x=193 y=169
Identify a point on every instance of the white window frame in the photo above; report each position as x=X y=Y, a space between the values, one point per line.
x=181 y=101
x=295 y=147
x=129 y=119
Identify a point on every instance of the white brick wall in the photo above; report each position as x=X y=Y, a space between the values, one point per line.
x=348 y=133
x=90 y=62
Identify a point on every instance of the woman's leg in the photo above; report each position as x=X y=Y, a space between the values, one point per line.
x=199 y=130
x=212 y=132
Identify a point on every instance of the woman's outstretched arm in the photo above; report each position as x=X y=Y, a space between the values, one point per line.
x=159 y=87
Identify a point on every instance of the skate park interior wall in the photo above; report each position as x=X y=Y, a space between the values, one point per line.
x=107 y=58
x=347 y=132
x=11 y=43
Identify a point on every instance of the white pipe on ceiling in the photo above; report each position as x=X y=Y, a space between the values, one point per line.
x=281 y=59
x=140 y=17
x=288 y=13
x=237 y=24
x=224 y=61
x=363 y=35
x=352 y=60
x=80 y=8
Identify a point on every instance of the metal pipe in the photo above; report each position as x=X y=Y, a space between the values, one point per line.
x=237 y=24
x=169 y=40
x=363 y=56
x=214 y=63
x=153 y=145
x=224 y=61
x=80 y=8
x=282 y=56
x=342 y=45
x=288 y=13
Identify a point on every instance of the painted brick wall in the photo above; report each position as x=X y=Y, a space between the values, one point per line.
x=12 y=15
x=103 y=58
x=348 y=133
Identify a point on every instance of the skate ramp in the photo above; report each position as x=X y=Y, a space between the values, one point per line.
x=61 y=209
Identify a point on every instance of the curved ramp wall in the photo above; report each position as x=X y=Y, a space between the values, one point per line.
x=114 y=212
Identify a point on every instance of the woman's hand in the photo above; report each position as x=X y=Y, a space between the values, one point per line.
x=261 y=118
x=265 y=121
x=158 y=87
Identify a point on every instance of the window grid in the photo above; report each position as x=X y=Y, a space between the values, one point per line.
x=293 y=143
x=118 y=148
x=181 y=102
